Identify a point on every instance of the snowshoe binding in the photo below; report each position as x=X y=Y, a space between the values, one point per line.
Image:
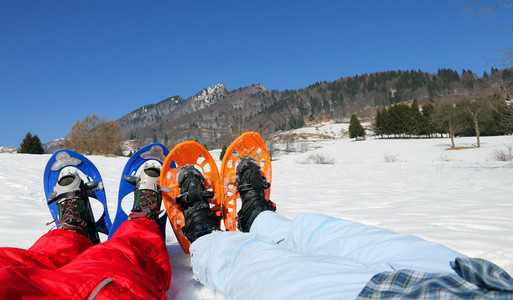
x=251 y=186
x=193 y=198
x=74 y=211
x=147 y=198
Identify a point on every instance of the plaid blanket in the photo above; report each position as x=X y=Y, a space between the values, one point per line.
x=474 y=278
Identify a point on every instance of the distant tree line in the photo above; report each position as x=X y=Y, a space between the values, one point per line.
x=328 y=99
x=405 y=120
x=469 y=115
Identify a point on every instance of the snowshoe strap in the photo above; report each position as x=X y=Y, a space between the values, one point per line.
x=254 y=185
x=131 y=179
x=251 y=209
x=68 y=195
x=200 y=222
x=193 y=196
x=90 y=189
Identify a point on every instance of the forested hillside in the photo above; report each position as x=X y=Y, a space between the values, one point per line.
x=215 y=115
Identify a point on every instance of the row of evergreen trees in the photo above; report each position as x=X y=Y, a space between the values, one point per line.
x=402 y=120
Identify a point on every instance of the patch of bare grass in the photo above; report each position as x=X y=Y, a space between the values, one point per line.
x=390 y=158
x=445 y=158
x=308 y=135
x=319 y=159
x=460 y=148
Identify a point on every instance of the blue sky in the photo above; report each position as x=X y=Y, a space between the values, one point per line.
x=61 y=60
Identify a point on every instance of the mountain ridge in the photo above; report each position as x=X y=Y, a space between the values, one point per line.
x=214 y=116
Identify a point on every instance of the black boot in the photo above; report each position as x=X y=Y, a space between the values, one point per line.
x=199 y=219
x=251 y=186
x=73 y=206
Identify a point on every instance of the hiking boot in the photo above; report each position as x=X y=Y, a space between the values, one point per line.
x=199 y=218
x=251 y=186
x=74 y=210
x=147 y=197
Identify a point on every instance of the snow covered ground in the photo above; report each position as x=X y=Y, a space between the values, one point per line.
x=459 y=198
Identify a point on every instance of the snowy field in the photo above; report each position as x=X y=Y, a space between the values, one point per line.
x=460 y=198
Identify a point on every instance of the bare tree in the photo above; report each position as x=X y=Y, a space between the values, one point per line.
x=107 y=138
x=447 y=116
x=94 y=135
x=486 y=9
x=288 y=138
x=478 y=109
x=238 y=122
x=80 y=137
x=271 y=148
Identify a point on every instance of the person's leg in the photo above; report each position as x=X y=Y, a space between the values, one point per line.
x=320 y=234
x=34 y=272
x=135 y=258
x=272 y=225
x=250 y=266
x=134 y=262
x=53 y=250
x=58 y=247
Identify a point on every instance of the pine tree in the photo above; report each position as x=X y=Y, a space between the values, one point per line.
x=355 y=128
x=31 y=144
x=223 y=152
x=427 y=126
x=414 y=122
x=386 y=124
x=378 y=124
x=398 y=119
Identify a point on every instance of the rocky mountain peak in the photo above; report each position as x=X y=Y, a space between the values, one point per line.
x=255 y=88
x=210 y=95
x=174 y=99
x=260 y=87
